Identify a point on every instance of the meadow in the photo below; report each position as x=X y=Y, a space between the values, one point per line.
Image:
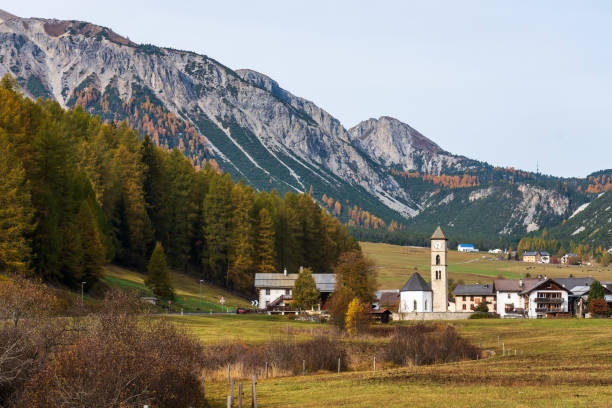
x=395 y=264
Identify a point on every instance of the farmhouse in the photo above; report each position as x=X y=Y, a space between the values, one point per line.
x=567 y=258
x=387 y=299
x=532 y=257
x=544 y=257
x=467 y=297
x=545 y=298
x=274 y=289
x=466 y=248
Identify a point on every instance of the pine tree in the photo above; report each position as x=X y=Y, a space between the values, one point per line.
x=305 y=292
x=241 y=271
x=16 y=211
x=265 y=243
x=158 y=277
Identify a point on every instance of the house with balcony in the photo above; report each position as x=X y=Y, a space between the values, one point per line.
x=545 y=298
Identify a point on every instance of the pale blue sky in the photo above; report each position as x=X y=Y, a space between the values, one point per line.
x=508 y=82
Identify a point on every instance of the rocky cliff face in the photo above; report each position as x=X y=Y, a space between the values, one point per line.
x=243 y=120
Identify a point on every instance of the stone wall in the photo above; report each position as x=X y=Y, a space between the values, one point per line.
x=432 y=316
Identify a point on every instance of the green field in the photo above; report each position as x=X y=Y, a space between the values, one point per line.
x=187 y=289
x=396 y=264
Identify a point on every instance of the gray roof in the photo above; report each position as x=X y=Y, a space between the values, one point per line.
x=544 y=253
x=571 y=283
x=416 y=284
x=325 y=281
x=526 y=253
x=514 y=285
x=477 y=289
x=530 y=288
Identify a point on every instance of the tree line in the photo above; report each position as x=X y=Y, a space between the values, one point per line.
x=77 y=192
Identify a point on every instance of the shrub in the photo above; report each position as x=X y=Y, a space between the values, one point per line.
x=122 y=361
x=599 y=307
x=482 y=307
x=483 y=315
x=426 y=344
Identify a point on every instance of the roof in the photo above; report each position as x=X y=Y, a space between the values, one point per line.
x=544 y=253
x=514 y=285
x=416 y=284
x=389 y=299
x=533 y=287
x=438 y=234
x=571 y=255
x=580 y=290
x=325 y=281
x=466 y=245
x=477 y=289
x=572 y=283
x=530 y=253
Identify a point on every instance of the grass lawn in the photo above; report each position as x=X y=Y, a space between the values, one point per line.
x=187 y=289
x=563 y=363
x=397 y=263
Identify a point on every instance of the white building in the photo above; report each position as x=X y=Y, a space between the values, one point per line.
x=509 y=301
x=416 y=295
x=466 y=248
x=276 y=288
x=544 y=257
x=545 y=298
x=495 y=251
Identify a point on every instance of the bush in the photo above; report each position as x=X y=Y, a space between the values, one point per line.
x=483 y=315
x=121 y=361
x=482 y=307
x=357 y=318
x=422 y=344
x=599 y=307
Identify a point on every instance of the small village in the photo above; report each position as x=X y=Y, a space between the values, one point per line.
x=529 y=297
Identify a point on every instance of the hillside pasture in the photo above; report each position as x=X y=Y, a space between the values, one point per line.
x=187 y=290
x=395 y=265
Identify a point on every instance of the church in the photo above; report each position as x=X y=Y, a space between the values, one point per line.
x=418 y=296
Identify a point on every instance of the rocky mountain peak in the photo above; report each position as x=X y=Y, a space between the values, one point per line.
x=4 y=15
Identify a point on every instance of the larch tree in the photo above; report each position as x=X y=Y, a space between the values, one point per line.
x=16 y=213
x=240 y=274
x=265 y=243
x=158 y=277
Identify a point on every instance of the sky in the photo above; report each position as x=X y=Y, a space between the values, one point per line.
x=515 y=83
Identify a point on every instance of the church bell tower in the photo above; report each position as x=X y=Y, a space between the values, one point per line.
x=439 y=279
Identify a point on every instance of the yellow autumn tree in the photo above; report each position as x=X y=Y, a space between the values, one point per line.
x=357 y=318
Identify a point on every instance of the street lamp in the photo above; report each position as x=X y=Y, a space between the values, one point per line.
x=82 y=286
x=201 y=295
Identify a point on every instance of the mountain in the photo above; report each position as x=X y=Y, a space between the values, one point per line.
x=379 y=174
x=590 y=224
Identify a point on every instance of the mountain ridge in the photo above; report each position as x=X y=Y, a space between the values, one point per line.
x=244 y=122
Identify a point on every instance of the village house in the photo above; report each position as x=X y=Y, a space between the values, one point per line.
x=567 y=258
x=544 y=257
x=579 y=292
x=545 y=298
x=468 y=297
x=509 y=301
x=531 y=257
x=466 y=248
x=275 y=289
x=387 y=299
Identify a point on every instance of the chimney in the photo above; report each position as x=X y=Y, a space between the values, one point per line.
x=520 y=283
x=301 y=269
x=545 y=277
x=285 y=272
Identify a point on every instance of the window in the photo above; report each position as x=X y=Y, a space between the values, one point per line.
x=425 y=309
x=464 y=307
x=508 y=296
x=437 y=259
x=471 y=307
x=267 y=291
x=415 y=306
x=471 y=298
x=287 y=291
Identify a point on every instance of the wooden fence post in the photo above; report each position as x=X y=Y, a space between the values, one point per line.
x=303 y=367
x=266 y=369
x=240 y=395
x=338 y=365
x=254 y=394
x=374 y=363
x=232 y=390
x=229 y=377
x=229 y=401
x=503 y=349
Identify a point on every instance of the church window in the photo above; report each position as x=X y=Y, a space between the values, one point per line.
x=437 y=259
x=415 y=306
x=425 y=309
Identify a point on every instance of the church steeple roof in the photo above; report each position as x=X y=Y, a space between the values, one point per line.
x=416 y=283
x=438 y=234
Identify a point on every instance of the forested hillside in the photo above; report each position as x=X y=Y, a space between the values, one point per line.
x=77 y=192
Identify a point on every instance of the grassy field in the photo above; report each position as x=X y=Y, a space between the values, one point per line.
x=187 y=290
x=558 y=363
x=397 y=263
